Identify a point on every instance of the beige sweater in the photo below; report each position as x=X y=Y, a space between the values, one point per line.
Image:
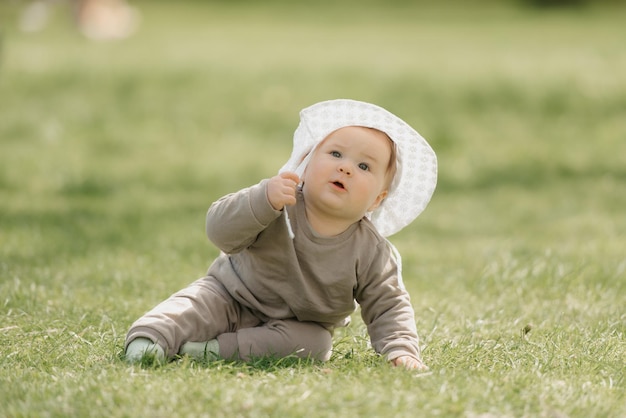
x=310 y=278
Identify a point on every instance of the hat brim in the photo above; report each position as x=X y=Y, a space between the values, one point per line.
x=416 y=168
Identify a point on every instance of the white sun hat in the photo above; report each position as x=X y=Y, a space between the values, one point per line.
x=416 y=168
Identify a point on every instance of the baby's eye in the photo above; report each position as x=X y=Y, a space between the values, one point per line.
x=364 y=167
x=335 y=154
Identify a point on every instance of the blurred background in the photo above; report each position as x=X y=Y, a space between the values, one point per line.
x=121 y=121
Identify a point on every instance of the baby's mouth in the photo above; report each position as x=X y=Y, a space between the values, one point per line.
x=339 y=184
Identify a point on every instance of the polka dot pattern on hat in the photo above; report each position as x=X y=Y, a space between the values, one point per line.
x=416 y=174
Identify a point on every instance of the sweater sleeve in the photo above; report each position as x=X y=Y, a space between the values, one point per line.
x=234 y=221
x=386 y=308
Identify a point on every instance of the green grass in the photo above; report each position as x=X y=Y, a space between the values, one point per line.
x=110 y=155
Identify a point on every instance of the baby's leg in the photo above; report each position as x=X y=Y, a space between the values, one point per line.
x=199 y=312
x=277 y=338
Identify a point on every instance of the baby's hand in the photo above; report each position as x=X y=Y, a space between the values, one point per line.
x=410 y=363
x=281 y=190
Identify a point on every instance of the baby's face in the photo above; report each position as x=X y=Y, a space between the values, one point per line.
x=346 y=176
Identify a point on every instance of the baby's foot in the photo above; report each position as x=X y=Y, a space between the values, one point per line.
x=142 y=350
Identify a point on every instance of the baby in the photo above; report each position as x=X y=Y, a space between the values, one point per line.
x=300 y=249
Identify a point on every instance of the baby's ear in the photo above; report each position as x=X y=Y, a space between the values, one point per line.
x=378 y=201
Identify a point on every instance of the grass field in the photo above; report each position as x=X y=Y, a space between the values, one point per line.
x=110 y=154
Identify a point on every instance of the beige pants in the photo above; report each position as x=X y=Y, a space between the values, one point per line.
x=205 y=310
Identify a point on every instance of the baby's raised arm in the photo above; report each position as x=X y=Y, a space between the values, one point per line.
x=234 y=221
x=281 y=189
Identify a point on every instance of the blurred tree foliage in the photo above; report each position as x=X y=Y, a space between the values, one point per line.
x=538 y=4
x=571 y=3
x=534 y=3
x=555 y=3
